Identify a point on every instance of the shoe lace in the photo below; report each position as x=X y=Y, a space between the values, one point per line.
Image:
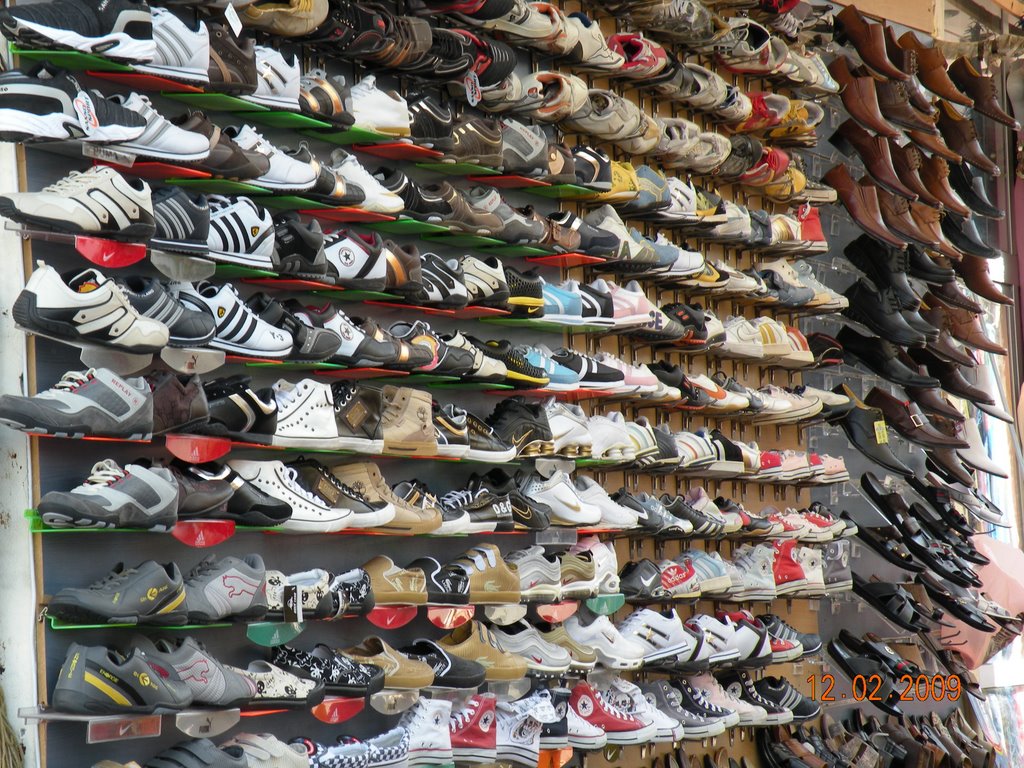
x=72 y=380
x=201 y=569
x=458 y=498
x=113 y=578
x=70 y=183
x=463 y=717
x=291 y=476
x=105 y=472
x=285 y=397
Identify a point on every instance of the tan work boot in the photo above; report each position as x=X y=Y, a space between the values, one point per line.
x=393 y=585
x=399 y=670
x=474 y=642
x=492 y=581
x=365 y=477
x=407 y=423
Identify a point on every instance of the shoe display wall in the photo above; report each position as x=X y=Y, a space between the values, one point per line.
x=531 y=381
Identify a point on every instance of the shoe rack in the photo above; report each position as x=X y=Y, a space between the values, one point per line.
x=76 y=559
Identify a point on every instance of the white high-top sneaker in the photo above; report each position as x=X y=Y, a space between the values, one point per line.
x=755 y=564
x=305 y=415
x=519 y=726
x=629 y=698
x=811 y=561
x=430 y=742
x=310 y=513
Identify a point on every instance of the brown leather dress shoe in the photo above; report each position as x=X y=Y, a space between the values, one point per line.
x=960 y=135
x=981 y=88
x=951 y=296
x=894 y=104
x=861 y=203
x=851 y=26
x=935 y=175
x=933 y=143
x=907 y=419
x=966 y=326
x=895 y=211
x=860 y=98
x=974 y=271
x=874 y=152
x=929 y=221
x=906 y=162
x=906 y=61
x=931 y=70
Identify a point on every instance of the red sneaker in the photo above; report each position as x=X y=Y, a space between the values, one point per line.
x=789 y=575
x=789 y=530
x=771 y=465
x=680 y=579
x=622 y=728
x=474 y=731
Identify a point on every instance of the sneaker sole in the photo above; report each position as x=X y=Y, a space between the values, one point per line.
x=124 y=47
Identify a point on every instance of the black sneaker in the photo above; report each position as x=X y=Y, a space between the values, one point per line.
x=442 y=284
x=651 y=514
x=340 y=675
x=446 y=584
x=668 y=457
x=117 y=29
x=476 y=141
x=598 y=307
x=485 y=444
x=449 y=671
x=741 y=685
x=248 y=505
x=527 y=514
x=331 y=186
x=420 y=203
x=350 y=31
x=593 y=241
x=432 y=122
x=447 y=360
x=298 y=247
x=150 y=593
x=593 y=168
x=526 y=292
x=487 y=511
x=695 y=701
x=781 y=694
x=640 y=582
x=520 y=371
x=695 y=329
x=182 y=221
x=556 y=735
x=309 y=343
x=450 y=431
x=780 y=629
x=702 y=524
x=449 y=57
x=593 y=374
x=318 y=479
x=240 y=412
x=521 y=423
x=188 y=327
x=357 y=413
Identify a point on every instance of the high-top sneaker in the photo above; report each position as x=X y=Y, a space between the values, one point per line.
x=357 y=413
x=810 y=559
x=430 y=741
x=406 y=422
x=474 y=731
x=787 y=570
x=620 y=727
x=519 y=727
x=837 y=567
x=555 y=735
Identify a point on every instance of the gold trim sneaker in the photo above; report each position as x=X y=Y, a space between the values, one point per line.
x=491 y=580
x=393 y=585
x=400 y=671
x=365 y=477
x=474 y=642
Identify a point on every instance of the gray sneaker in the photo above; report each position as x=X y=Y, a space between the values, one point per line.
x=112 y=497
x=516 y=226
x=664 y=697
x=150 y=593
x=837 y=566
x=91 y=402
x=228 y=588
x=210 y=682
x=651 y=513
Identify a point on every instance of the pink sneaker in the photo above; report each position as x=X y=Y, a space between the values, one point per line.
x=630 y=304
x=638 y=378
x=835 y=470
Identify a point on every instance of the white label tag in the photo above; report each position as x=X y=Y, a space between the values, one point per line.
x=109 y=154
x=472 y=83
x=490 y=203
x=86 y=112
x=231 y=15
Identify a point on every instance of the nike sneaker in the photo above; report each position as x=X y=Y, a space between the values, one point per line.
x=229 y=587
x=186 y=326
x=521 y=371
x=524 y=425
x=119 y=29
x=150 y=593
x=99 y=202
x=182 y=222
x=95 y=680
x=239 y=330
x=186 y=661
x=85 y=307
x=162 y=139
x=560 y=495
x=277 y=84
x=181 y=52
x=40 y=105
x=540 y=574
x=134 y=496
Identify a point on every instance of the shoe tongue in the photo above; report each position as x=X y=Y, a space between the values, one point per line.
x=86 y=281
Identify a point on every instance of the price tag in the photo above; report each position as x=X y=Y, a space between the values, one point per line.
x=109 y=155
x=231 y=16
x=117 y=729
x=472 y=84
x=292 y=599
x=881 y=433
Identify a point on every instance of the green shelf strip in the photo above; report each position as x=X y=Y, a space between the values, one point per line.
x=282 y=119
x=74 y=60
x=57 y=624
x=406 y=227
x=232 y=271
x=349 y=136
x=220 y=186
x=217 y=102
x=459 y=169
x=464 y=241
x=562 y=191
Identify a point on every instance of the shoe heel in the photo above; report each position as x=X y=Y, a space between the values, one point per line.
x=842 y=144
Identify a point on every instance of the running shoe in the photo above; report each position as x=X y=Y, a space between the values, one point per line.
x=150 y=593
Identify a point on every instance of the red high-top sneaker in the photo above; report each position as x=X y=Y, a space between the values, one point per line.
x=474 y=731
x=789 y=575
x=619 y=726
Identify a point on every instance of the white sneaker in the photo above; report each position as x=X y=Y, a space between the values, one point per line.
x=591 y=51
x=540 y=576
x=241 y=232
x=277 y=80
x=352 y=264
x=378 y=199
x=751 y=641
x=742 y=339
x=612 y=515
x=377 y=110
x=719 y=635
x=305 y=415
x=286 y=174
x=660 y=634
x=628 y=697
x=568 y=428
x=584 y=735
x=756 y=565
x=430 y=742
x=182 y=53
x=88 y=308
x=560 y=495
x=609 y=439
x=239 y=330
x=613 y=650
x=680 y=579
x=773 y=336
x=811 y=561
x=519 y=726
x=310 y=513
x=606 y=564
x=711 y=570
x=484 y=278
x=543 y=658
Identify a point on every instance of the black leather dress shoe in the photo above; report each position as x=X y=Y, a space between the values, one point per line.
x=919 y=324
x=971 y=189
x=884 y=266
x=865 y=426
x=964 y=235
x=950 y=378
x=923 y=267
x=881 y=357
x=879 y=310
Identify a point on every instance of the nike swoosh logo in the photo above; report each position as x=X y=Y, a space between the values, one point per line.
x=522 y=438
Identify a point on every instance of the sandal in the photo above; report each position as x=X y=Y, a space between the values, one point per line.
x=854 y=665
x=957 y=604
x=871 y=645
x=885 y=540
x=893 y=602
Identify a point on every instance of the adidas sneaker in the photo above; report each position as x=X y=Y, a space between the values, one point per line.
x=181 y=52
x=85 y=307
x=241 y=232
x=239 y=330
x=277 y=80
x=162 y=139
x=99 y=202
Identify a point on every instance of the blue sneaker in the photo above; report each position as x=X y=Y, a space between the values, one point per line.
x=562 y=306
x=561 y=379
